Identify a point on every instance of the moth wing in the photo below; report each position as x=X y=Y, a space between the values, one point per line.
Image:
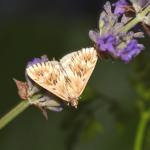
x=49 y=75
x=79 y=67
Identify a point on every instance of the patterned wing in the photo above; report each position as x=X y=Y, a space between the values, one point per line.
x=78 y=68
x=50 y=76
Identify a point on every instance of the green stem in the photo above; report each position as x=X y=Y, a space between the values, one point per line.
x=145 y=116
x=13 y=113
x=136 y=20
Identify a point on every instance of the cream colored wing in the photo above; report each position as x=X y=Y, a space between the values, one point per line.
x=50 y=76
x=78 y=68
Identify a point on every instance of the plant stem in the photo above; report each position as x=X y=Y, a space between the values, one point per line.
x=145 y=116
x=13 y=113
x=136 y=20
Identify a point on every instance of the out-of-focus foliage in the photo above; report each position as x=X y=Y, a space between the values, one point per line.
x=141 y=82
x=141 y=76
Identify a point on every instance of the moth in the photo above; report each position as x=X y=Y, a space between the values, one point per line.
x=66 y=78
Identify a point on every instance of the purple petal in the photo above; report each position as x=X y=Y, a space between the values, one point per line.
x=94 y=36
x=132 y=50
x=44 y=58
x=119 y=7
x=107 y=43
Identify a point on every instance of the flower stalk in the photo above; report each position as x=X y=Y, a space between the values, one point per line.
x=12 y=114
x=136 y=20
x=139 y=138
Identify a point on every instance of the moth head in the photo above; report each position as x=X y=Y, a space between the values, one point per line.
x=74 y=102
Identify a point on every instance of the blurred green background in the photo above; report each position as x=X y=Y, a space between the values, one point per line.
x=109 y=116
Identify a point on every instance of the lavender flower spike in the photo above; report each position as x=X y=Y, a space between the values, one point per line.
x=108 y=39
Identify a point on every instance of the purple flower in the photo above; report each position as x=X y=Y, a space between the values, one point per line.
x=123 y=46
x=107 y=43
x=44 y=58
x=131 y=50
x=120 y=7
x=109 y=39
